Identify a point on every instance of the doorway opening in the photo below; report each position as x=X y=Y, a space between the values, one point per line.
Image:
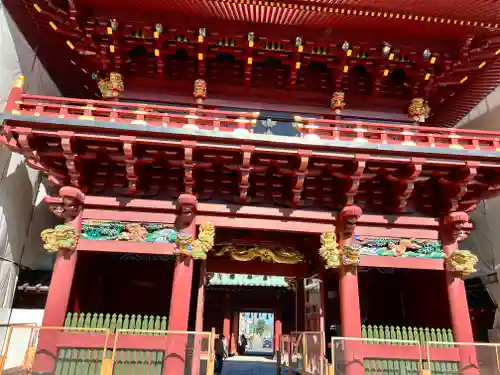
x=258 y=329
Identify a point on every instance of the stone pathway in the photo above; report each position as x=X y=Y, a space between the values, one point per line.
x=249 y=365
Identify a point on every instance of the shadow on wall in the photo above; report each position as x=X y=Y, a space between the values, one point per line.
x=484 y=116
x=484 y=241
x=18 y=185
x=35 y=256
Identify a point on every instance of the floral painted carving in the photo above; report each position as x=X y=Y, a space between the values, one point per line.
x=461 y=262
x=153 y=233
x=62 y=237
x=407 y=248
x=246 y=254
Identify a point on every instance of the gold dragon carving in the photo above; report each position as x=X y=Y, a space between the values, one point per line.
x=62 y=237
x=461 y=262
x=247 y=254
x=333 y=255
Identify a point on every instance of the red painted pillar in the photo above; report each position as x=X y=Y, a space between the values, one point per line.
x=226 y=327
x=349 y=295
x=235 y=333
x=181 y=291
x=200 y=305
x=452 y=232
x=278 y=331
x=70 y=210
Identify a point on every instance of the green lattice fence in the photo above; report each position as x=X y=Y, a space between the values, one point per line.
x=438 y=337
x=73 y=361
x=423 y=335
x=116 y=321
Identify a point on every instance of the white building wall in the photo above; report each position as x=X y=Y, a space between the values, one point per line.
x=485 y=239
x=21 y=338
x=19 y=185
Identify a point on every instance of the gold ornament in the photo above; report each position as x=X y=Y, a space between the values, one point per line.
x=350 y=255
x=245 y=254
x=337 y=102
x=462 y=262
x=329 y=250
x=333 y=255
x=197 y=248
x=419 y=109
x=200 y=90
x=113 y=87
x=62 y=237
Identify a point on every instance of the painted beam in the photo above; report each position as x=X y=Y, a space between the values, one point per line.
x=396 y=262
x=260 y=268
x=125 y=247
x=113 y=208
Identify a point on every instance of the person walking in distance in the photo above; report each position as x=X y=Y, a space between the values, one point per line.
x=220 y=354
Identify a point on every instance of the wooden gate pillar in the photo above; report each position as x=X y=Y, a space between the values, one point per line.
x=452 y=231
x=181 y=290
x=68 y=207
x=200 y=308
x=235 y=335
x=300 y=308
x=278 y=330
x=349 y=295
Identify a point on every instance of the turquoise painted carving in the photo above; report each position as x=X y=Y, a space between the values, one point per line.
x=122 y=231
x=153 y=233
x=406 y=248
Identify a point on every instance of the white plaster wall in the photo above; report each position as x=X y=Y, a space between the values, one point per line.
x=485 y=239
x=19 y=185
x=485 y=115
x=22 y=337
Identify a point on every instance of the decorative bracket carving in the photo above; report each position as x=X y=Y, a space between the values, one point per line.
x=65 y=237
x=454 y=229
x=348 y=219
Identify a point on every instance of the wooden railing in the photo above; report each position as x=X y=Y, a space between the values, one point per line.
x=420 y=334
x=143 y=114
x=405 y=135
x=115 y=322
x=133 y=113
x=105 y=351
